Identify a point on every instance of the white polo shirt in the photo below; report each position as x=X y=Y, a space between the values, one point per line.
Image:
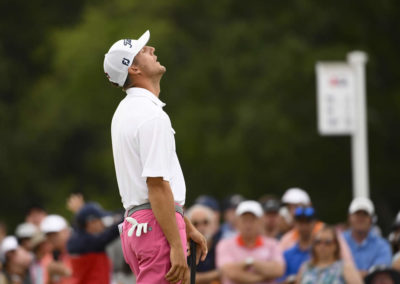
x=144 y=146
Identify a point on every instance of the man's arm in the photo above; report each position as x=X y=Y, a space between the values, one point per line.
x=269 y=269
x=237 y=272
x=162 y=204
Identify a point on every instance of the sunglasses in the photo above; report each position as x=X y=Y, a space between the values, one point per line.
x=307 y=212
x=323 y=242
x=203 y=222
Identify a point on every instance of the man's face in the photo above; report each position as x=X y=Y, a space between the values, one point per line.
x=203 y=222
x=95 y=226
x=360 y=221
x=147 y=62
x=249 y=225
x=305 y=227
x=58 y=239
x=271 y=219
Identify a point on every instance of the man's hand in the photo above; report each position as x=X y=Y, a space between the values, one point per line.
x=193 y=234
x=179 y=269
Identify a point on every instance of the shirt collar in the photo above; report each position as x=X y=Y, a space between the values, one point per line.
x=259 y=242
x=141 y=92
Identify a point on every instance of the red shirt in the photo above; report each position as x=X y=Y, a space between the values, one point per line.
x=91 y=268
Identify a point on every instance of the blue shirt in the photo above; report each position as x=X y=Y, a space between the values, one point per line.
x=294 y=258
x=374 y=250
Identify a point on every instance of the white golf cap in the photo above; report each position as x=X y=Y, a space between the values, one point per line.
x=362 y=204
x=25 y=230
x=8 y=244
x=249 y=206
x=296 y=195
x=120 y=57
x=53 y=224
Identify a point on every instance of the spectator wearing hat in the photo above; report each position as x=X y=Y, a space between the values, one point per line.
x=368 y=249
x=229 y=204
x=382 y=275
x=249 y=257
x=301 y=251
x=24 y=232
x=16 y=262
x=202 y=218
x=57 y=232
x=394 y=239
x=295 y=197
x=271 y=218
x=90 y=263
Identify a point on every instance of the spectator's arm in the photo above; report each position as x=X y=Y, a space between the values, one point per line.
x=350 y=274
x=207 y=277
x=237 y=272
x=269 y=269
x=92 y=243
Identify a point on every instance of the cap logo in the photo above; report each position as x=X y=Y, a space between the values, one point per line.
x=128 y=42
x=125 y=61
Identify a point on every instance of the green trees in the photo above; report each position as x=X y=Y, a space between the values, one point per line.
x=239 y=88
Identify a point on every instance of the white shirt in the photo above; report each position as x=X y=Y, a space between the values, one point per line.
x=144 y=146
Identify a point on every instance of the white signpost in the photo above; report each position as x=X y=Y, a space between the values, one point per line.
x=342 y=110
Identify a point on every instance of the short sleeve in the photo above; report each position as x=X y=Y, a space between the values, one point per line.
x=156 y=146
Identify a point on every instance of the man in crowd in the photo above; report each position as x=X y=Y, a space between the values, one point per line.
x=16 y=262
x=24 y=232
x=272 y=218
x=90 y=264
x=294 y=257
x=229 y=204
x=212 y=203
x=203 y=218
x=57 y=232
x=249 y=257
x=368 y=249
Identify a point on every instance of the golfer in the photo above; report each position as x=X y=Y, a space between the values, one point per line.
x=155 y=232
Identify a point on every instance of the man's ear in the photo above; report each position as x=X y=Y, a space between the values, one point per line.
x=133 y=70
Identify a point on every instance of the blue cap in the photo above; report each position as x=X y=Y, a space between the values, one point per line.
x=90 y=211
x=208 y=201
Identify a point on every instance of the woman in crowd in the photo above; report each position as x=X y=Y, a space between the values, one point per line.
x=326 y=266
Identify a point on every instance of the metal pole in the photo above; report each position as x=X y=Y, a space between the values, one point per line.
x=359 y=145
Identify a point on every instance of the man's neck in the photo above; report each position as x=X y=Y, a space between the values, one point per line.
x=305 y=243
x=359 y=236
x=152 y=85
x=249 y=241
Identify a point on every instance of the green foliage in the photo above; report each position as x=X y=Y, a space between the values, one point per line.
x=239 y=88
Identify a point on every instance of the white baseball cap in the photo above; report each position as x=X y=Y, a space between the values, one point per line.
x=53 y=224
x=249 y=206
x=25 y=230
x=362 y=203
x=296 y=195
x=120 y=56
x=9 y=243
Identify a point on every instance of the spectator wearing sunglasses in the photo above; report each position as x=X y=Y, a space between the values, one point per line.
x=326 y=265
x=304 y=221
x=202 y=217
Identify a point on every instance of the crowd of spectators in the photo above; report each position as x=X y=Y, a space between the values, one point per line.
x=271 y=240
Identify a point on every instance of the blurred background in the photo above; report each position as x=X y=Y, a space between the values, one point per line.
x=240 y=90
